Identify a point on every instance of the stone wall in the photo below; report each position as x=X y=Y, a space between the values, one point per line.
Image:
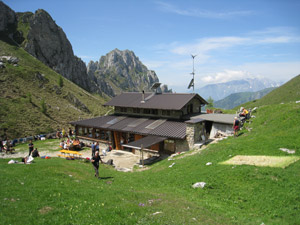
x=195 y=133
x=181 y=145
x=226 y=128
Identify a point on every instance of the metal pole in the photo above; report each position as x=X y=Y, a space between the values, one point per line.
x=193 y=73
x=142 y=155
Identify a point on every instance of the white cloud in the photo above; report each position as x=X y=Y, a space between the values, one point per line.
x=278 y=71
x=167 y=7
x=225 y=76
x=204 y=45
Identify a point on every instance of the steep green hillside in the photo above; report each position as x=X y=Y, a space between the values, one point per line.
x=234 y=194
x=30 y=88
x=236 y=99
x=288 y=92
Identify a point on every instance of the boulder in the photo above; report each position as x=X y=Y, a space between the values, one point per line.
x=199 y=185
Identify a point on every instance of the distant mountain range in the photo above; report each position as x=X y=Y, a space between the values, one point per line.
x=236 y=99
x=221 y=90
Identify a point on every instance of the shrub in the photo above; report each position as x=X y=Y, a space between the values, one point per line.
x=60 y=81
x=43 y=106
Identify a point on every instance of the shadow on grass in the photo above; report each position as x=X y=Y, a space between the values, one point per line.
x=105 y=178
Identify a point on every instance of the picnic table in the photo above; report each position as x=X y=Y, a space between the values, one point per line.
x=68 y=153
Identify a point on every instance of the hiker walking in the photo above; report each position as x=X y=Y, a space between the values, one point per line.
x=93 y=148
x=236 y=126
x=95 y=161
x=30 y=146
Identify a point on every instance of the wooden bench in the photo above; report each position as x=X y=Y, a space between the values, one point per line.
x=68 y=153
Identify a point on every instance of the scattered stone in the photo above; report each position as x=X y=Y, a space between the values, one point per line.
x=298 y=101
x=199 y=185
x=9 y=59
x=253 y=116
x=208 y=164
x=2 y=66
x=287 y=150
x=221 y=134
x=123 y=169
x=153 y=214
x=172 y=165
x=70 y=175
x=45 y=209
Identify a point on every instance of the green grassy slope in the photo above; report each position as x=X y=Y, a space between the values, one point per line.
x=288 y=92
x=24 y=87
x=58 y=191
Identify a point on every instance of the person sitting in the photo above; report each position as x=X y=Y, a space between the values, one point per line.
x=35 y=153
x=66 y=146
x=244 y=112
x=76 y=144
x=62 y=144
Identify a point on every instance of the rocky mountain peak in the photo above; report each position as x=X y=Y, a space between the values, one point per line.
x=7 y=17
x=122 y=71
x=47 y=42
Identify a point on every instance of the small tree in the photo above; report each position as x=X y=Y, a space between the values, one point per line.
x=43 y=106
x=210 y=102
x=60 y=81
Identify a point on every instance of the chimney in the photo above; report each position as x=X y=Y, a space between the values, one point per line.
x=143 y=97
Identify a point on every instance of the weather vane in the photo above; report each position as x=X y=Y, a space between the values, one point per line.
x=192 y=83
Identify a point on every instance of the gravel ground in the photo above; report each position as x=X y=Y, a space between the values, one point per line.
x=123 y=160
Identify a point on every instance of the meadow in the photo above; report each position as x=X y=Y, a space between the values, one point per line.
x=58 y=191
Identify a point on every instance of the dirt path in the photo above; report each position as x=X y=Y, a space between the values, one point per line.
x=123 y=161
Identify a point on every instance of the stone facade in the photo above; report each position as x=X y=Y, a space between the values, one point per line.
x=195 y=133
x=181 y=145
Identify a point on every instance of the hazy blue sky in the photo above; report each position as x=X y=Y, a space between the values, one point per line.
x=233 y=39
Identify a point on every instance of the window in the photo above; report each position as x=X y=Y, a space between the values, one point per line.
x=123 y=109
x=147 y=111
x=190 y=109
x=154 y=111
x=166 y=112
x=136 y=110
x=169 y=145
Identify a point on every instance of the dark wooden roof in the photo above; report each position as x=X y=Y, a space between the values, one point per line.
x=158 y=127
x=167 y=101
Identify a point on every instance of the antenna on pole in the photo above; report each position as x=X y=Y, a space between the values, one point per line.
x=192 y=83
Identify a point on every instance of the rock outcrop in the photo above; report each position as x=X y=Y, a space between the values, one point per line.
x=7 y=17
x=39 y=35
x=122 y=70
x=47 y=42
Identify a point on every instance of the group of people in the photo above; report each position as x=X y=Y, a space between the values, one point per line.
x=33 y=151
x=64 y=134
x=70 y=144
x=237 y=123
x=7 y=146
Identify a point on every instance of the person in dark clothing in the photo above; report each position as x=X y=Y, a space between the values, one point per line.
x=95 y=161
x=35 y=153
x=236 y=126
x=30 y=145
x=93 y=147
x=70 y=132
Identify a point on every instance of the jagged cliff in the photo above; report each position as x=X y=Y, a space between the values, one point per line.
x=47 y=42
x=122 y=71
x=39 y=35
